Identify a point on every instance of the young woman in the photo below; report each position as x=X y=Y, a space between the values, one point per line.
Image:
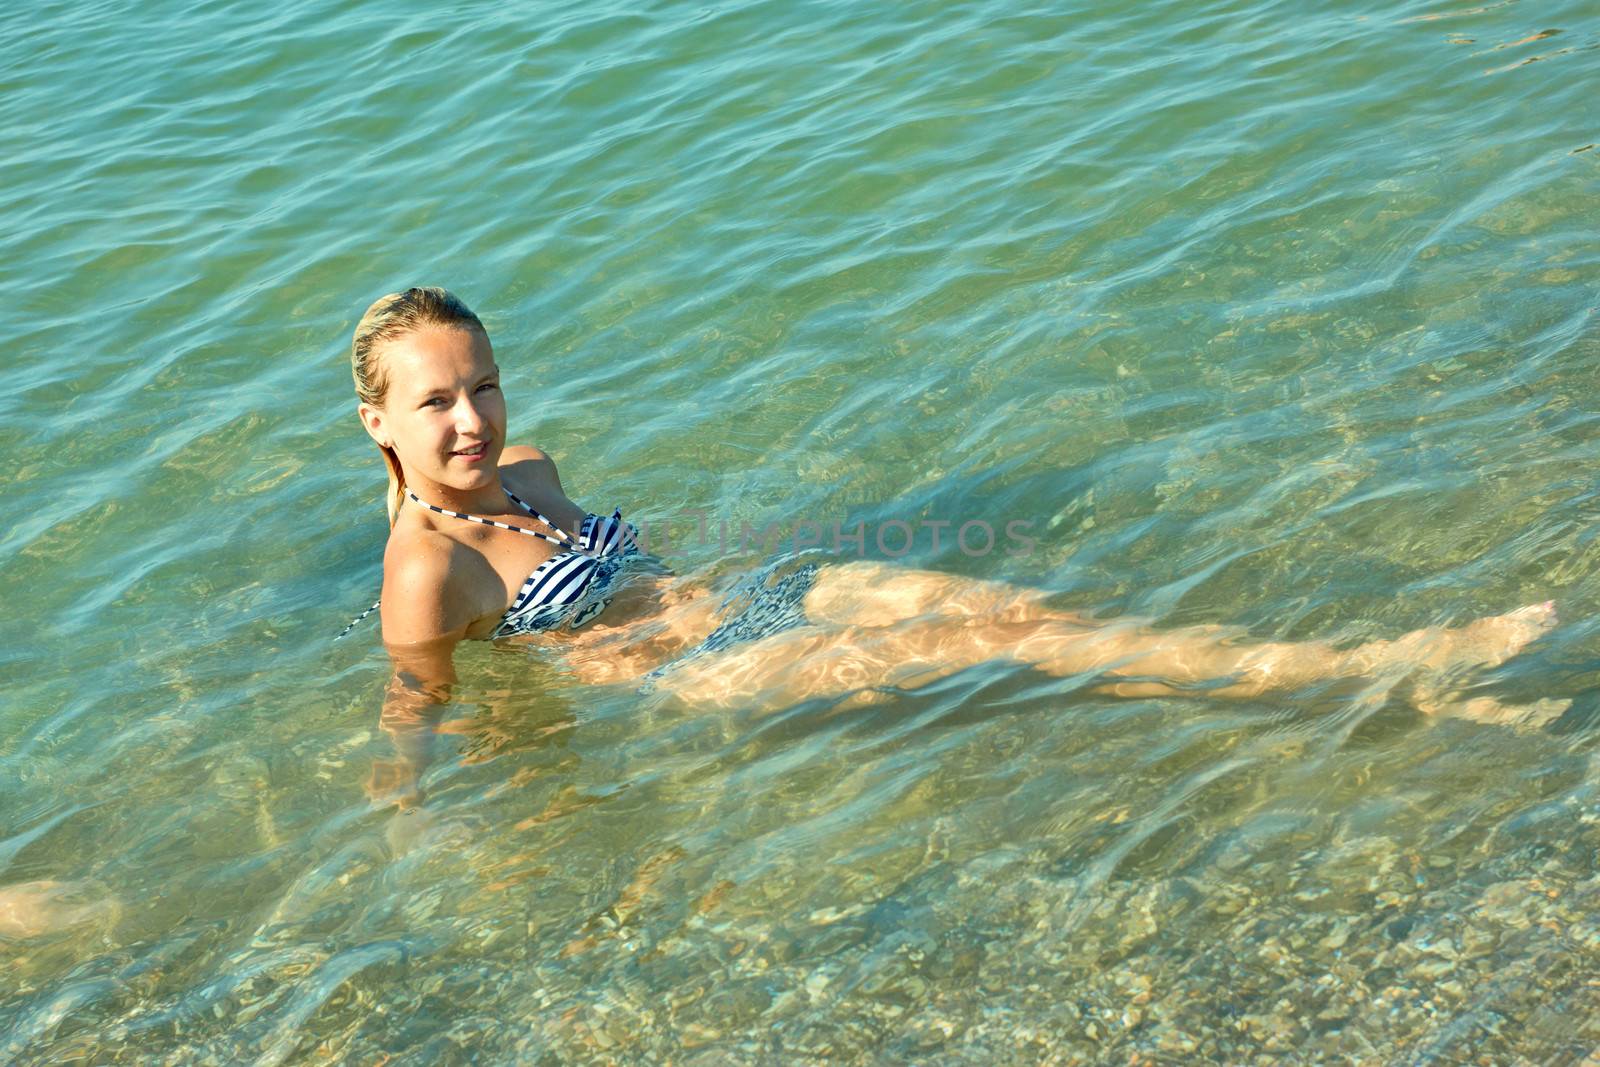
x=485 y=545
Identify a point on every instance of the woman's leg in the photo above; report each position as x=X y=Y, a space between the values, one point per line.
x=1129 y=660
x=1172 y=662
x=870 y=594
x=866 y=593
x=859 y=593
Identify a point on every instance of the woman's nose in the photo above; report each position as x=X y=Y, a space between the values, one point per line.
x=468 y=418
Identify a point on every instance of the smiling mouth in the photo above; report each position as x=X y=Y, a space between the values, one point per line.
x=475 y=450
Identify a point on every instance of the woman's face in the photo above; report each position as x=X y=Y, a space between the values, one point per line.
x=443 y=414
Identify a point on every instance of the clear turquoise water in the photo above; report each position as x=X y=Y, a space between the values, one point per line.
x=1262 y=316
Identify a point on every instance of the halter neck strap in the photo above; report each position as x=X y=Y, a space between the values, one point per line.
x=565 y=540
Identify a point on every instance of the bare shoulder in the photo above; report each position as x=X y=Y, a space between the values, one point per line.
x=425 y=586
x=518 y=453
x=530 y=467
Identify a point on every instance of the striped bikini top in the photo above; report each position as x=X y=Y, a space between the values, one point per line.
x=557 y=588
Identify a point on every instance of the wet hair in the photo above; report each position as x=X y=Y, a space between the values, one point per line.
x=391 y=317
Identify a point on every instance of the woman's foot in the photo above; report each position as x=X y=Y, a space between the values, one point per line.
x=1489 y=710
x=1437 y=661
x=1486 y=642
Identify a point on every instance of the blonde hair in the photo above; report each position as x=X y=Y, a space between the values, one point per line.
x=391 y=317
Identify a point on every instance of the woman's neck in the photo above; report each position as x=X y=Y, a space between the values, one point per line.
x=490 y=497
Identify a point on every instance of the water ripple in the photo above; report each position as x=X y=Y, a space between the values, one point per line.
x=1274 y=319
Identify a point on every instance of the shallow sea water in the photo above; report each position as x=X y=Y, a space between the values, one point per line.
x=1259 y=316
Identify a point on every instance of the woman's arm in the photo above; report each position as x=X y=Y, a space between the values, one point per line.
x=414 y=703
x=424 y=619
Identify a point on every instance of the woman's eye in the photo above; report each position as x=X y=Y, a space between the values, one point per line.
x=433 y=402
x=488 y=385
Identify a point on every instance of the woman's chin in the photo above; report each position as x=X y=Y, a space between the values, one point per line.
x=480 y=472
x=458 y=478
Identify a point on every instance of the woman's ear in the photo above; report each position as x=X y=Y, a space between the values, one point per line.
x=372 y=422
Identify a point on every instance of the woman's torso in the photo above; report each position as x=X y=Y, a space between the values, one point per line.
x=582 y=576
